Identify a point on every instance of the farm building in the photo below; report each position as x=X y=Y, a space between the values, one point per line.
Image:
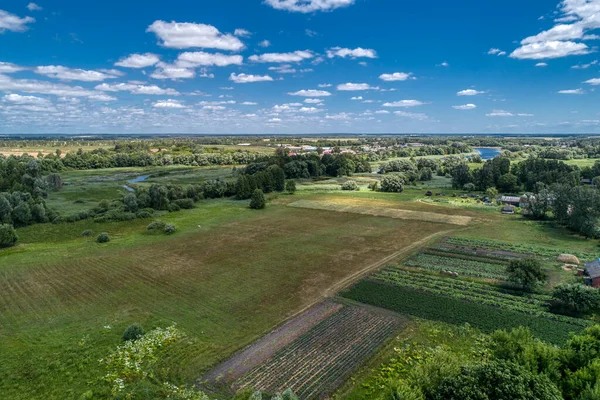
x=508 y=210
x=592 y=273
x=511 y=200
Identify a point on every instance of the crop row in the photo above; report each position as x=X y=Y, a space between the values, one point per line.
x=513 y=247
x=319 y=361
x=464 y=255
x=481 y=293
x=478 y=269
x=456 y=311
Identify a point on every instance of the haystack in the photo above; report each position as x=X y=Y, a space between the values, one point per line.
x=568 y=259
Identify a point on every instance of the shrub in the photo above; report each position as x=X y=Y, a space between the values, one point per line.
x=374 y=186
x=86 y=233
x=172 y=207
x=350 y=185
x=156 y=226
x=143 y=214
x=133 y=332
x=290 y=186
x=469 y=187
x=258 y=202
x=576 y=298
x=169 y=229
x=393 y=183
x=8 y=236
x=527 y=273
x=103 y=238
x=185 y=204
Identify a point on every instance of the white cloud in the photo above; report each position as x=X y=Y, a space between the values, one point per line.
x=167 y=71
x=542 y=64
x=465 y=107
x=183 y=35
x=242 y=33
x=265 y=43
x=295 y=56
x=18 y=99
x=308 y=6
x=324 y=85
x=170 y=103
x=469 y=92
x=70 y=74
x=8 y=84
x=357 y=98
x=382 y=112
x=310 y=33
x=314 y=101
x=572 y=91
x=243 y=78
x=138 y=60
x=249 y=103
x=444 y=64
x=274 y=120
x=10 y=22
x=34 y=7
x=404 y=103
x=419 y=116
x=353 y=53
x=553 y=49
x=7 y=68
x=102 y=97
x=283 y=69
x=396 y=76
x=214 y=108
x=311 y=93
x=355 y=86
x=585 y=66
x=500 y=113
x=136 y=89
x=497 y=52
x=200 y=58
x=524 y=115
x=594 y=81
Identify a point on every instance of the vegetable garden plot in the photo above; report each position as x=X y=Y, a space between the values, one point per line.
x=478 y=269
x=315 y=364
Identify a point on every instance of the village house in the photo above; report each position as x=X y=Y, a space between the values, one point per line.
x=508 y=210
x=592 y=273
x=511 y=200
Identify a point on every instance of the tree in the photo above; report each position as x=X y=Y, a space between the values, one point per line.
x=5 y=209
x=130 y=201
x=576 y=298
x=393 y=183
x=537 y=205
x=103 y=238
x=491 y=192
x=8 y=236
x=290 y=186
x=508 y=183
x=526 y=272
x=243 y=190
x=55 y=182
x=461 y=175
x=257 y=201
x=21 y=214
x=133 y=333
x=469 y=187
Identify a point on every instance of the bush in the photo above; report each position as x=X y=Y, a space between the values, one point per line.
x=172 y=207
x=143 y=214
x=290 y=186
x=169 y=229
x=393 y=183
x=156 y=226
x=258 y=202
x=576 y=298
x=86 y=233
x=8 y=236
x=133 y=332
x=526 y=272
x=185 y=204
x=103 y=238
x=350 y=185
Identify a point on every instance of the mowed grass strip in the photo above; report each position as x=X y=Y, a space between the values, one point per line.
x=395 y=213
x=315 y=364
x=455 y=311
x=224 y=285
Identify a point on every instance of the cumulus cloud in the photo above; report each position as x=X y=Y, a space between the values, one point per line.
x=295 y=56
x=594 y=81
x=242 y=33
x=465 y=107
x=265 y=43
x=8 y=68
x=547 y=50
x=355 y=87
x=7 y=84
x=200 y=58
x=283 y=69
x=34 y=7
x=396 y=76
x=183 y=35
x=71 y=74
x=496 y=52
x=382 y=112
x=11 y=22
x=249 y=103
x=136 y=89
x=308 y=6
x=173 y=72
x=469 y=92
x=542 y=64
x=169 y=103
x=572 y=91
x=324 y=85
x=419 y=116
x=314 y=101
x=243 y=78
x=357 y=98
x=404 y=103
x=310 y=93
x=18 y=99
x=138 y=60
x=353 y=53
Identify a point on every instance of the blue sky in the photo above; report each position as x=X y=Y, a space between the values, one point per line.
x=299 y=66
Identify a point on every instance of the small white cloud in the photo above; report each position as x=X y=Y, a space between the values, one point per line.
x=202 y=59
x=9 y=68
x=313 y=101
x=242 y=33
x=465 y=107
x=310 y=33
x=11 y=22
x=396 y=76
x=136 y=89
x=542 y=64
x=469 y=92
x=138 y=61
x=170 y=103
x=419 y=116
x=283 y=69
x=243 y=78
x=444 y=64
x=524 y=115
x=295 y=56
x=183 y=35
x=497 y=52
x=550 y=49
x=18 y=99
x=324 y=85
x=404 y=103
x=34 y=7
x=249 y=103
x=585 y=66
x=310 y=93
x=572 y=91
x=355 y=87
x=71 y=74
x=594 y=81
x=357 y=98
x=167 y=71
x=382 y=112
x=308 y=6
x=265 y=43
x=352 y=53
x=274 y=120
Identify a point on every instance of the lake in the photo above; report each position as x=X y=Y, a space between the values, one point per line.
x=487 y=153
